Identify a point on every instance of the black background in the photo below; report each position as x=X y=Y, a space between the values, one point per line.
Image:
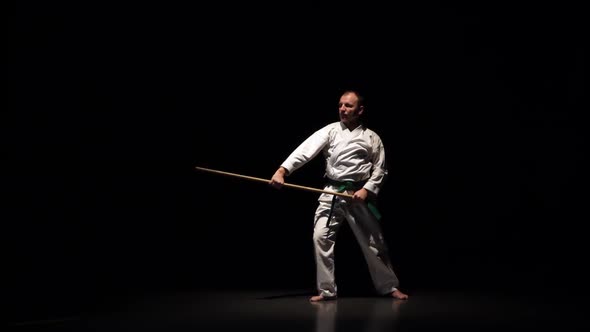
x=481 y=109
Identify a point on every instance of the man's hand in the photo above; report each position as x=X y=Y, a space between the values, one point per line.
x=360 y=195
x=363 y=195
x=278 y=179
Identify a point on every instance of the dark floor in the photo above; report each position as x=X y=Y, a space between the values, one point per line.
x=290 y=310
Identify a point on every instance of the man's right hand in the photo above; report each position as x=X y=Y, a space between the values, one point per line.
x=278 y=179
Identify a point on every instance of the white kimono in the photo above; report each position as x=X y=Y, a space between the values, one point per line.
x=350 y=156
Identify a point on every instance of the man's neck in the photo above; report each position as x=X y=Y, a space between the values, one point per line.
x=352 y=125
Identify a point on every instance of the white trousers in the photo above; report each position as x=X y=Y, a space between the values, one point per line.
x=367 y=231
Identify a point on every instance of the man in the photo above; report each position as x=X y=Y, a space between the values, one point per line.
x=355 y=164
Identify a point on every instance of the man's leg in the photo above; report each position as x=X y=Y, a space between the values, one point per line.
x=368 y=233
x=324 y=239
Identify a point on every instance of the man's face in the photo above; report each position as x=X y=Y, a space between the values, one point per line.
x=349 y=109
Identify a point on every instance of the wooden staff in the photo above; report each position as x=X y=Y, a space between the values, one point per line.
x=268 y=181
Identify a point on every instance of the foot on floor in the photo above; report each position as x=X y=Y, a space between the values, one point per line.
x=397 y=294
x=320 y=298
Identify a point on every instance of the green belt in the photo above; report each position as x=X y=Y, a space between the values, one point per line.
x=347 y=185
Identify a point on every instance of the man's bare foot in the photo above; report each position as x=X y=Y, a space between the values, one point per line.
x=319 y=298
x=397 y=294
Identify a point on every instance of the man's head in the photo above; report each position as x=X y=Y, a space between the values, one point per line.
x=350 y=109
